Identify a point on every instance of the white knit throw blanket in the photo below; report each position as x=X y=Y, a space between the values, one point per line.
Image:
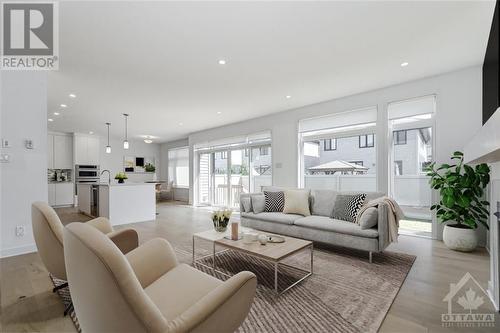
x=394 y=214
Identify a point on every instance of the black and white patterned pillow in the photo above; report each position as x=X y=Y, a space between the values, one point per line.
x=274 y=201
x=347 y=206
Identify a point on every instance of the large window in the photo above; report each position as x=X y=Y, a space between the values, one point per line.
x=178 y=166
x=338 y=151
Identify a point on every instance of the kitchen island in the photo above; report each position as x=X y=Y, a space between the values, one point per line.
x=121 y=203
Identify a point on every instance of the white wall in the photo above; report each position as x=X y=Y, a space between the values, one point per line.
x=23 y=107
x=458 y=117
x=114 y=161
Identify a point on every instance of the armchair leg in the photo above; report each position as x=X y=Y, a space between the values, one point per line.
x=64 y=285
x=370 y=256
x=68 y=309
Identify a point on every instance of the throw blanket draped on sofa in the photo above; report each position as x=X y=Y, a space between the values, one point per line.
x=394 y=215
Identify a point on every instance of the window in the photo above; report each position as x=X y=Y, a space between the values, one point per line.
x=264 y=151
x=329 y=144
x=178 y=166
x=400 y=137
x=222 y=155
x=366 y=141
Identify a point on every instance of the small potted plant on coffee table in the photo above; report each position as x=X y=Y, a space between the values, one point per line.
x=121 y=176
x=462 y=205
x=220 y=219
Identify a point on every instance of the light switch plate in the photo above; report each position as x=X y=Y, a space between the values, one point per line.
x=6 y=143
x=29 y=144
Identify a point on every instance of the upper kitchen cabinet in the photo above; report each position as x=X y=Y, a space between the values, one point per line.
x=60 y=151
x=86 y=148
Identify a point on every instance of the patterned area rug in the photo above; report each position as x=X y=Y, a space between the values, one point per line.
x=345 y=294
x=66 y=299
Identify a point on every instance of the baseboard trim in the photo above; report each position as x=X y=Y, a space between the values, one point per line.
x=16 y=251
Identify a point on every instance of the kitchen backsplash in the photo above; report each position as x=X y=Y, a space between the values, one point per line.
x=59 y=175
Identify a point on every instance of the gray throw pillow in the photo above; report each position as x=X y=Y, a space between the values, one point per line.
x=347 y=206
x=247 y=204
x=258 y=203
x=369 y=218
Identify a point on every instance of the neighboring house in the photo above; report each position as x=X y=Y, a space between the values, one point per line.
x=412 y=150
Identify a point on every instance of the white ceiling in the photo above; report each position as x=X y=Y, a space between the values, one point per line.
x=158 y=61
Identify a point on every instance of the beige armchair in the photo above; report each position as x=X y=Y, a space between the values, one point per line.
x=48 y=233
x=147 y=290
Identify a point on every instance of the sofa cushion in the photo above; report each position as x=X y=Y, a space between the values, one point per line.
x=258 y=202
x=273 y=217
x=347 y=206
x=369 y=218
x=329 y=224
x=274 y=201
x=322 y=202
x=246 y=202
x=297 y=202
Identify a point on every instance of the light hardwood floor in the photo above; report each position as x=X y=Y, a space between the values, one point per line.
x=28 y=305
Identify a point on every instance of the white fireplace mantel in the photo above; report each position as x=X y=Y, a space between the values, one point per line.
x=485 y=148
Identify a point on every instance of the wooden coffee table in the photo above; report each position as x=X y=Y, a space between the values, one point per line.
x=274 y=253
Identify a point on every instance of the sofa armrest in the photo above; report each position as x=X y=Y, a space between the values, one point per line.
x=383 y=226
x=151 y=260
x=125 y=239
x=221 y=310
x=102 y=224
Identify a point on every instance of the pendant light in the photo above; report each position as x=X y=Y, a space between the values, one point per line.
x=108 y=147
x=125 y=142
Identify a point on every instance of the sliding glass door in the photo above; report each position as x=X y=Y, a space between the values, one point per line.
x=223 y=175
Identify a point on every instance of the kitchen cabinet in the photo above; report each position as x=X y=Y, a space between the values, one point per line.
x=61 y=194
x=86 y=149
x=59 y=151
x=52 y=194
x=64 y=194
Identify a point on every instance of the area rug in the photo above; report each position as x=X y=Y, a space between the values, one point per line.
x=65 y=296
x=345 y=294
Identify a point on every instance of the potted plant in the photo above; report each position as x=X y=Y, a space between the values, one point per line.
x=149 y=167
x=220 y=219
x=462 y=205
x=121 y=176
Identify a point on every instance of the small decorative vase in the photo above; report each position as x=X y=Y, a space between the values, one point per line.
x=220 y=225
x=121 y=181
x=220 y=228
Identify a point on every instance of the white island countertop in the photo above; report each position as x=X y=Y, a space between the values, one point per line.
x=125 y=184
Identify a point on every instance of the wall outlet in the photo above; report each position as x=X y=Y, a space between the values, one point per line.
x=4 y=158
x=20 y=231
x=29 y=144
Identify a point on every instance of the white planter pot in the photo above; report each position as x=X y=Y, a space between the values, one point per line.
x=459 y=239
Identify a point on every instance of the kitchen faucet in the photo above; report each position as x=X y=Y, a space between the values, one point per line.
x=109 y=175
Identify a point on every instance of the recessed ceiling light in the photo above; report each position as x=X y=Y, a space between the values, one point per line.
x=56 y=113
x=91 y=132
x=219 y=112
x=50 y=120
x=222 y=62
x=404 y=64
x=288 y=96
x=64 y=105
x=180 y=124
x=72 y=95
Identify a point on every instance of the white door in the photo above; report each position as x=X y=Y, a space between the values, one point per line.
x=63 y=152
x=52 y=194
x=50 y=151
x=64 y=194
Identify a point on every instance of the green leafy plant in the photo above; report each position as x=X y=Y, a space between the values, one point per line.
x=149 y=167
x=121 y=176
x=461 y=188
